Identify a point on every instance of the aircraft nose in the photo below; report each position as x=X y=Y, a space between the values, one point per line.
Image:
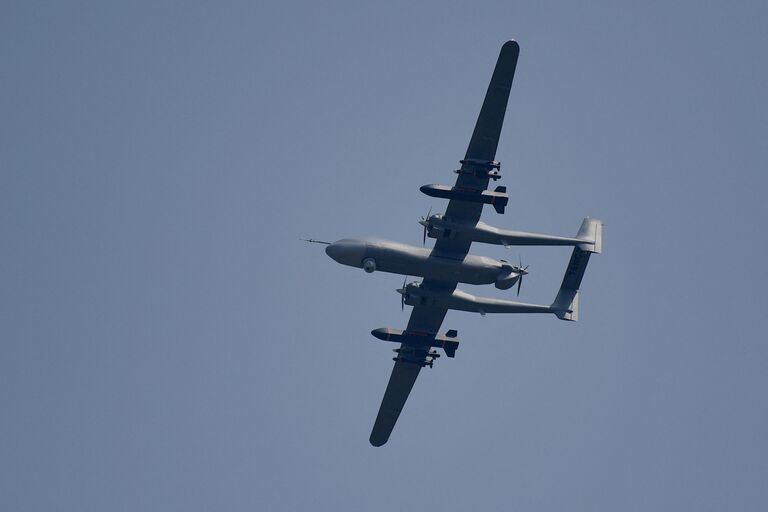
x=346 y=251
x=333 y=250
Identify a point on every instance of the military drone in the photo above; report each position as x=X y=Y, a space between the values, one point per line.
x=449 y=262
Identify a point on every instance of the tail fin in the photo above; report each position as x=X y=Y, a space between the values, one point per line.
x=566 y=305
x=591 y=231
x=500 y=200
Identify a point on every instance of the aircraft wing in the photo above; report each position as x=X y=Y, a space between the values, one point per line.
x=425 y=321
x=400 y=384
x=410 y=360
x=485 y=137
x=482 y=145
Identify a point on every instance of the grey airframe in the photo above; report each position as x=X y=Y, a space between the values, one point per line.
x=448 y=262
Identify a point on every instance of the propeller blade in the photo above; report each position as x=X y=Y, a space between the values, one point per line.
x=402 y=295
x=519 y=284
x=426 y=223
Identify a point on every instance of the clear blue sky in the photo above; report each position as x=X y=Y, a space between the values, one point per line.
x=167 y=343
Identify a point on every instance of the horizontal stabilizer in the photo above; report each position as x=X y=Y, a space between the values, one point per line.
x=566 y=305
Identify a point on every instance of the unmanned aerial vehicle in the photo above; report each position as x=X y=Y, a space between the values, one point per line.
x=449 y=263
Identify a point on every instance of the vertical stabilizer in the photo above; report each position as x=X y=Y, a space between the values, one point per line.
x=591 y=231
x=566 y=305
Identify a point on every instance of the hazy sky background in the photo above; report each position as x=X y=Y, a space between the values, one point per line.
x=168 y=343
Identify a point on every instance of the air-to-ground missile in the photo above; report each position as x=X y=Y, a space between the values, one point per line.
x=480 y=168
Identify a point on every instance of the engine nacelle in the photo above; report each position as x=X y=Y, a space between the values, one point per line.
x=506 y=282
x=369 y=265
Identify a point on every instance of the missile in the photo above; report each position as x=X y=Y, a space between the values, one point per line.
x=427 y=362
x=480 y=168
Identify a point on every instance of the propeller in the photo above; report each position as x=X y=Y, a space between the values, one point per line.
x=405 y=291
x=522 y=271
x=425 y=222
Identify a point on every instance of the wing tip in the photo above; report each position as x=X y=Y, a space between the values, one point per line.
x=511 y=45
x=375 y=441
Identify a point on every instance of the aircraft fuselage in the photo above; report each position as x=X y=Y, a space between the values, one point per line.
x=383 y=255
